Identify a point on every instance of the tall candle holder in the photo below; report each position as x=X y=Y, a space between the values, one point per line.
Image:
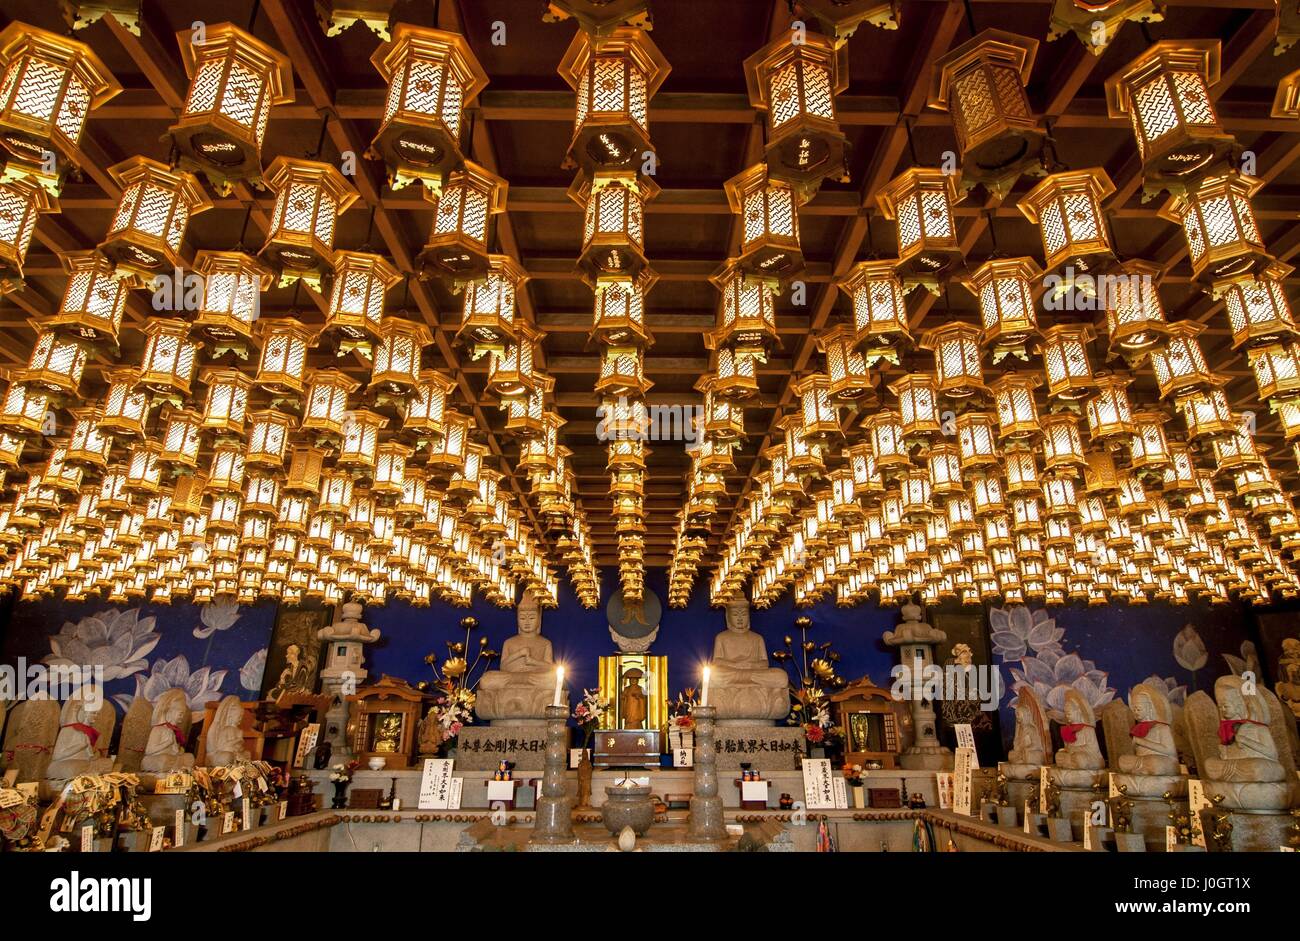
x=706 y=806
x=554 y=819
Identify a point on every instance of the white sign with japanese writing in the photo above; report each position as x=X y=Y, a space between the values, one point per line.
x=435 y=783
x=818 y=789
x=962 y=778
x=306 y=744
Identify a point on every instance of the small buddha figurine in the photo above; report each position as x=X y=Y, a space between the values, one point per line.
x=1237 y=754
x=1079 y=764
x=743 y=686
x=224 y=743
x=631 y=701
x=518 y=692
x=1153 y=769
x=165 y=749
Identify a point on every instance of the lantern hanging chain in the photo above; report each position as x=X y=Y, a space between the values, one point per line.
x=993 y=233
x=370 y=230
x=324 y=125
x=243 y=229
x=970 y=17
x=1052 y=161
x=911 y=141
x=252 y=17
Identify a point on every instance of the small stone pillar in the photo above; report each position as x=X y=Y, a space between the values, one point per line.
x=344 y=672
x=554 y=819
x=706 y=822
x=916 y=641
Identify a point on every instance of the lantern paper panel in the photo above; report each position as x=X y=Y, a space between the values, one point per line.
x=920 y=200
x=769 y=218
x=309 y=197
x=463 y=207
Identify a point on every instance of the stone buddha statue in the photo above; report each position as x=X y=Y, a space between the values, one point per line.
x=1248 y=770
x=744 y=687
x=1031 y=743
x=1153 y=768
x=1079 y=763
x=169 y=729
x=518 y=692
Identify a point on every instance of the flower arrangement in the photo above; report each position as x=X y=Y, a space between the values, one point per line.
x=589 y=713
x=853 y=775
x=812 y=676
x=456 y=671
x=681 y=712
x=342 y=773
x=452 y=711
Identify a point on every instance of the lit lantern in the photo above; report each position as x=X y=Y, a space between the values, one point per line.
x=982 y=83
x=796 y=82
x=88 y=446
x=360 y=441
x=1223 y=239
x=619 y=314
x=1066 y=207
x=325 y=409
x=432 y=75
x=1165 y=92
x=357 y=298
x=886 y=436
x=169 y=358
x=23 y=411
x=1148 y=448
x=769 y=216
x=1005 y=290
x=233 y=283
x=1258 y=310
x=447 y=448
x=488 y=323
x=918 y=401
x=227 y=401
x=424 y=408
x=510 y=373
x=920 y=200
x=803 y=457
x=144 y=239
x=615 y=77
x=613 y=233
x=268 y=435
x=56 y=362
x=956 y=348
x=21 y=200
x=50 y=84
x=93 y=301
x=976 y=440
x=284 y=356
x=396 y=370
x=1135 y=318
x=747 y=318
x=1065 y=360
x=390 y=470
x=879 y=311
x=1062 y=446
x=1277 y=369
x=1021 y=472
x=181 y=439
x=1179 y=365
x=1017 y=410
x=736 y=371
x=235 y=79
x=944 y=464
x=1109 y=414
x=309 y=198
x=820 y=415
x=1207 y=414
x=845 y=364
x=125 y=405
x=457 y=249
x=622 y=371
x=724 y=419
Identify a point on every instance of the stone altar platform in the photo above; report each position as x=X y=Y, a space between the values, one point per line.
x=666 y=835
x=1251 y=833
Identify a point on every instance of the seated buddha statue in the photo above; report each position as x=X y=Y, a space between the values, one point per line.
x=518 y=692
x=743 y=687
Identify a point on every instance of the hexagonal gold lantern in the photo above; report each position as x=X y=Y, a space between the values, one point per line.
x=309 y=197
x=233 y=283
x=1223 y=239
x=613 y=233
x=1277 y=370
x=1258 y=310
x=170 y=357
x=982 y=84
x=144 y=239
x=488 y=321
x=283 y=363
x=615 y=76
x=1135 y=317
x=1179 y=364
x=56 y=362
x=1095 y=22
x=1165 y=92
x=747 y=317
x=432 y=75
x=619 y=313
x=397 y=354
x=21 y=201
x=457 y=249
x=1065 y=360
x=769 y=215
x=879 y=308
x=510 y=372
x=920 y=200
x=956 y=348
x=1066 y=207
x=93 y=301
x=48 y=85
x=796 y=84
x=235 y=79
x=1004 y=288
x=356 y=304
x=845 y=364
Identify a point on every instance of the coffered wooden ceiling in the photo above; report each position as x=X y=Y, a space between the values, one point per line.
x=705 y=131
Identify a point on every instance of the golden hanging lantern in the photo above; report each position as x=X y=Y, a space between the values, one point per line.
x=1062 y=445
x=622 y=371
x=1095 y=22
x=144 y=239
x=1258 y=310
x=488 y=321
x=724 y=419
x=360 y=441
x=1017 y=411
x=803 y=456
x=619 y=315
x=1135 y=318
x=976 y=440
x=920 y=200
x=447 y=448
x=181 y=438
x=510 y=372
x=463 y=207
x=1223 y=239
x=396 y=370
x=768 y=211
x=1064 y=348
x=425 y=407
x=21 y=201
x=747 y=318
x=233 y=283
x=125 y=406
x=918 y=406
x=613 y=234
x=169 y=360
x=356 y=304
x=88 y=446
x=268 y=436
x=1109 y=413
x=736 y=371
x=1178 y=364
x=820 y=416
x=796 y=82
x=56 y=362
x=432 y=76
x=1277 y=369
x=982 y=84
x=49 y=85
x=885 y=432
x=93 y=301
x=309 y=198
x=879 y=311
x=1148 y=447
x=1066 y=207
x=325 y=406
x=283 y=362
x=1004 y=288
x=845 y=364
x=615 y=76
x=1165 y=93
x=1207 y=414
x=23 y=411
x=235 y=80
x=956 y=348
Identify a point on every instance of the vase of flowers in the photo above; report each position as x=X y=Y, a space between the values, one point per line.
x=341 y=777
x=681 y=721
x=454 y=681
x=590 y=711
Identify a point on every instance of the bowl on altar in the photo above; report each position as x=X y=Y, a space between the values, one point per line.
x=377 y=763
x=628 y=805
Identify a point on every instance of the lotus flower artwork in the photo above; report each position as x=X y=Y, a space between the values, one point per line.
x=1033 y=639
x=250 y=674
x=1174 y=692
x=200 y=687
x=217 y=616
x=116 y=641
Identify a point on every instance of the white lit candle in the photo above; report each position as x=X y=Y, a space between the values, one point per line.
x=704 y=693
x=559 y=685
